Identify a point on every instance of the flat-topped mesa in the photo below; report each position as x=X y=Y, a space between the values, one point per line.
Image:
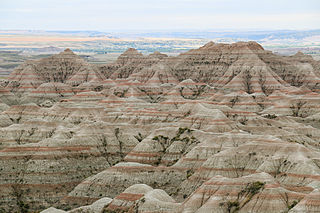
x=252 y=45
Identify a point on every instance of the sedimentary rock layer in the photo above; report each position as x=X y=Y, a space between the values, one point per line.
x=226 y=127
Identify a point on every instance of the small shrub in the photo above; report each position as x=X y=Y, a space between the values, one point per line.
x=233 y=206
x=255 y=187
x=159 y=138
x=273 y=116
x=189 y=173
x=293 y=204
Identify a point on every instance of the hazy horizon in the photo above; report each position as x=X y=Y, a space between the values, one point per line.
x=162 y=15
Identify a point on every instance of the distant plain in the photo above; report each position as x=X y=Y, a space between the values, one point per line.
x=101 y=48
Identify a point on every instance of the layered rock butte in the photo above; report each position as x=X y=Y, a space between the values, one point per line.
x=222 y=128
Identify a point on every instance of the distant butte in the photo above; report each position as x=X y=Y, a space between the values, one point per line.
x=67 y=50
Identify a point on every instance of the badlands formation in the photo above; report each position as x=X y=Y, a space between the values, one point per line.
x=223 y=128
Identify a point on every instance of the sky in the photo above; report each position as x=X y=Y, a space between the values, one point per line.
x=147 y=15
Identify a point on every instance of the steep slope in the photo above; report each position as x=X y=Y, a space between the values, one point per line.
x=298 y=70
x=251 y=75
x=131 y=61
x=253 y=193
x=209 y=63
x=65 y=67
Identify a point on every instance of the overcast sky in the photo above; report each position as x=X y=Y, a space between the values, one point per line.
x=113 y=15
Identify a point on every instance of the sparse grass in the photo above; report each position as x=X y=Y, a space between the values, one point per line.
x=233 y=206
x=189 y=173
x=273 y=116
x=243 y=197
